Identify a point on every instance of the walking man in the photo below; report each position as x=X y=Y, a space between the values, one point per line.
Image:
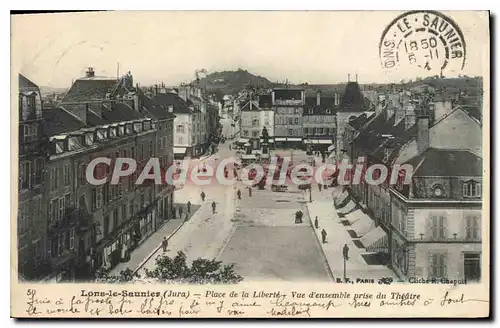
x=203 y=196
x=189 y=207
x=213 y=207
x=323 y=236
x=345 y=251
x=316 y=223
x=238 y=193
x=320 y=186
x=250 y=191
x=180 y=212
x=164 y=244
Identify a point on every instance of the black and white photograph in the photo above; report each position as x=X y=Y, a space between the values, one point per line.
x=188 y=163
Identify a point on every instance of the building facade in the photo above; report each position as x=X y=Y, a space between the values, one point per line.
x=90 y=228
x=288 y=107
x=319 y=122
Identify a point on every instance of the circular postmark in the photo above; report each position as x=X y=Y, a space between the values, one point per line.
x=426 y=40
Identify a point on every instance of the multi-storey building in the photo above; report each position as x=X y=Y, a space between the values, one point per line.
x=431 y=226
x=91 y=227
x=256 y=115
x=352 y=105
x=31 y=223
x=319 y=122
x=288 y=107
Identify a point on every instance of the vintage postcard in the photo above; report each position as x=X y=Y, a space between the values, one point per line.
x=250 y=164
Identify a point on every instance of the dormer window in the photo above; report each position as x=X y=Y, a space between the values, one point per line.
x=107 y=96
x=89 y=139
x=128 y=129
x=59 y=147
x=328 y=111
x=111 y=132
x=471 y=189
x=138 y=127
x=438 y=190
x=311 y=111
x=101 y=135
x=74 y=143
x=121 y=130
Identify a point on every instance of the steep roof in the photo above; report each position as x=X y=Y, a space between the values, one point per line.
x=161 y=102
x=119 y=113
x=353 y=99
x=24 y=82
x=251 y=105
x=265 y=101
x=359 y=121
x=57 y=120
x=311 y=103
x=87 y=89
x=446 y=163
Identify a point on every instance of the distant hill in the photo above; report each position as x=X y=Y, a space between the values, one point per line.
x=50 y=90
x=231 y=82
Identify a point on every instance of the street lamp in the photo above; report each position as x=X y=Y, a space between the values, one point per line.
x=345 y=254
x=310 y=194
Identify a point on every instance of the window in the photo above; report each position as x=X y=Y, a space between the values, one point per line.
x=132 y=152
x=290 y=120
x=437 y=265
x=179 y=129
x=97 y=198
x=72 y=238
x=57 y=178
x=328 y=111
x=106 y=226
x=255 y=134
x=290 y=132
x=82 y=179
x=60 y=244
x=38 y=171
x=61 y=208
x=255 y=122
x=180 y=140
x=310 y=111
x=141 y=152
x=438 y=227
x=472 y=189
x=22 y=225
x=296 y=120
x=25 y=178
x=472 y=266
x=30 y=132
x=66 y=174
x=124 y=212
x=151 y=149
x=115 y=219
x=472 y=231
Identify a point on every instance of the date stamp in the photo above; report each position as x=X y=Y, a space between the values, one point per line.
x=423 y=40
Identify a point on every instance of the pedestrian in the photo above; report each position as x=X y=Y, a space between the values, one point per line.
x=229 y=146
x=319 y=186
x=189 y=207
x=323 y=236
x=316 y=223
x=164 y=244
x=180 y=212
x=173 y=212
x=238 y=193
x=203 y=196
x=345 y=251
x=250 y=191
x=213 y=207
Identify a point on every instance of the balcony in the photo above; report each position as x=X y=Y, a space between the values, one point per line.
x=77 y=218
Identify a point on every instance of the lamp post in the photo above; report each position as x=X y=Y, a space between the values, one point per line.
x=345 y=254
x=310 y=194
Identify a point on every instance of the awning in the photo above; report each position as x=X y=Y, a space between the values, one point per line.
x=331 y=148
x=294 y=139
x=270 y=141
x=310 y=141
x=247 y=144
x=179 y=150
x=280 y=139
x=347 y=208
x=353 y=216
x=339 y=199
x=363 y=225
x=243 y=140
x=325 y=142
x=375 y=240
x=248 y=157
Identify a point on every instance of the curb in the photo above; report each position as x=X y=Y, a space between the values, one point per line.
x=158 y=248
x=318 y=242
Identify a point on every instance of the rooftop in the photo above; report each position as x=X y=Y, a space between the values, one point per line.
x=353 y=99
x=446 y=163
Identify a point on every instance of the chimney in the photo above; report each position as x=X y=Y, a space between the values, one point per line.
x=90 y=72
x=318 y=98
x=155 y=90
x=422 y=133
x=137 y=103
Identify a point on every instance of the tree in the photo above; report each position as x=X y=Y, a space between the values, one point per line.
x=202 y=271
x=126 y=275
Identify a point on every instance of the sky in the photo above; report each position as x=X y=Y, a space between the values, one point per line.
x=313 y=47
